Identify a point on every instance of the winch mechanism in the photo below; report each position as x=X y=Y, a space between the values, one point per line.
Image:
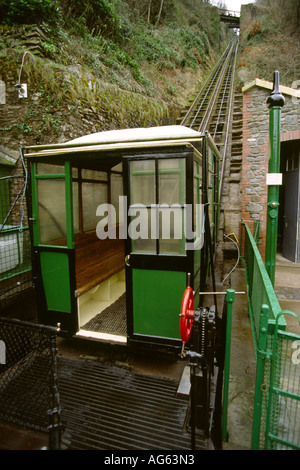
x=198 y=335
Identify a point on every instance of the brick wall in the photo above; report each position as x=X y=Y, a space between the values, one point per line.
x=255 y=161
x=256 y=152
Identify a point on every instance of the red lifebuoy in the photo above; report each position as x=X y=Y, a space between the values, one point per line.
x=187 y=314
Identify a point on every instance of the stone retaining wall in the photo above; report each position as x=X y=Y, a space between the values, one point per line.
x=256 y=151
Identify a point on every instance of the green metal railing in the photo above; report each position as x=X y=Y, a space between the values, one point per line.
x=276 y=418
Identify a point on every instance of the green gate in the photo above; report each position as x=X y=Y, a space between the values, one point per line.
x=283 y=407
x=276 y=418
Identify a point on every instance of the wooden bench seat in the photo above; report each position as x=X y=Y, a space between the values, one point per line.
x=96 y=260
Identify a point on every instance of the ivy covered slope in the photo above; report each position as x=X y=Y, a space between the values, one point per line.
x=101 y=64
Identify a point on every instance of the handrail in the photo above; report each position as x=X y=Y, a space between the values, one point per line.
x=259 y=287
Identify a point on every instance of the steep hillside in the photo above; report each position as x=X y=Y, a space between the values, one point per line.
x=101 y=64
x=269 y=41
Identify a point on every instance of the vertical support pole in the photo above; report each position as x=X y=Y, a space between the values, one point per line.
x=229 y=299
x=193 y=405
x=69 y=205
x=260 y=385
x=34 y=196
x=275 y=103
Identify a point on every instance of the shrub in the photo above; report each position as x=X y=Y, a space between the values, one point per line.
x=254 y=30
x=28 y=11
x=100 y=17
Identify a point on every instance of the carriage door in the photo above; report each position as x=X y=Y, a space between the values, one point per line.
x=156 y=260
x=53 y=244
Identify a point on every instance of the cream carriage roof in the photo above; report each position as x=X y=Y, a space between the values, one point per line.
x=118 y=140
x=137 y=134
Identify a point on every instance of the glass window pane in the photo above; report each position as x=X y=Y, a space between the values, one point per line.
x=196 y=166
x=171 y=181
x=48 y=169
x=93 y=194
x=52 y=211
x=75 y=208
x=142 y=182
x=144 y=246
x=197 y=194
x=139 y=229
x=116 y=184
x=118 y=167
x=94 y=175
x=171 y=247
x=171 y=231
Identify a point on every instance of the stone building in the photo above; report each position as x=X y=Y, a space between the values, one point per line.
x=255 y=165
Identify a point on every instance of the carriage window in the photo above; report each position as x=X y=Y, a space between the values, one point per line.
x=142 y=176
x=52 y=211
x=198 y=223
x=210 y=182
x=93 y=194
x=75 y=207
x=48 y=169
x=93 y=175
x=171 y=177
x=116 y=188
x=159 y=188
x=171 y=181
x=90 y=189
x=142 y=192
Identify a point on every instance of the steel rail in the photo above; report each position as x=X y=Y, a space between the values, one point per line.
x=186 y=121
x=228 y=121
x=210 y=109
x=218 y=89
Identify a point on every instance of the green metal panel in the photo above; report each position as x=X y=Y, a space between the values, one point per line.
x=56 y=280
x=69 y=205
x=157 y=297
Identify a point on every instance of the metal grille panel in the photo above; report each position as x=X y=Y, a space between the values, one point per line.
x=109 y=407
x=28 y=386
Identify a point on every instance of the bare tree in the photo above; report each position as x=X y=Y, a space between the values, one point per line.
x=149 y=10
x=159 y=13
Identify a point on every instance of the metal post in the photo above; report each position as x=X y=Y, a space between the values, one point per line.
x=260 y=382
x=229 y=300
x=275 y=103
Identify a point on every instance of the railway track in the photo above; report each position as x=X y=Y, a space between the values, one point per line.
x=212 y=108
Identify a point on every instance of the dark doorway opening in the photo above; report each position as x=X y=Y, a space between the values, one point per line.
x=289 y=195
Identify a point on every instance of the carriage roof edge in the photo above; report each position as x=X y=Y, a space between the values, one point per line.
x=122 y=137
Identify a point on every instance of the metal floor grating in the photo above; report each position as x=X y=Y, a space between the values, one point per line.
x=106 y=407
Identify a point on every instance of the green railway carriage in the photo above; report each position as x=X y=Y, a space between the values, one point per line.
x=119 y=218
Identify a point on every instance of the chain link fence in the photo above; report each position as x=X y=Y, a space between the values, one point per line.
x=15 y=241
x=29 y=394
